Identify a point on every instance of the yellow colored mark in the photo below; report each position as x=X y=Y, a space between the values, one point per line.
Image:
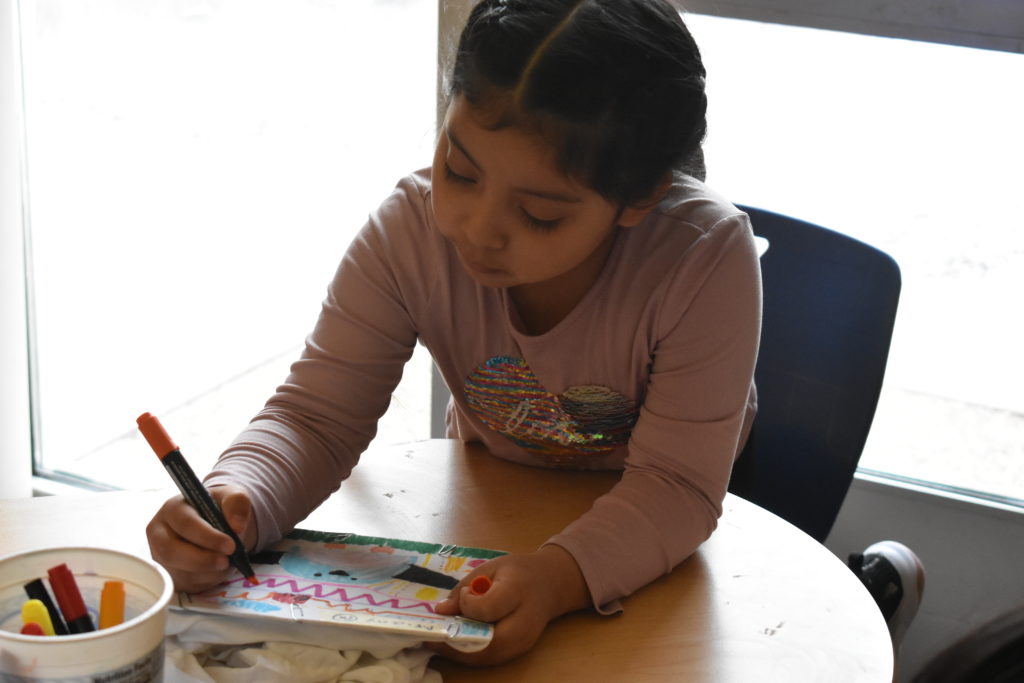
x=427 y=593
x=454 y=564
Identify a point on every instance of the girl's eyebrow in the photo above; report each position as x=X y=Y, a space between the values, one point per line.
x=542 y=194
x=455 y=141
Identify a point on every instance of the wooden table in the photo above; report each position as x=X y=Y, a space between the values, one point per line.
x=760 y=601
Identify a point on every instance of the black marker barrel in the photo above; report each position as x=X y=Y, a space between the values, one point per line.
x=191 y=488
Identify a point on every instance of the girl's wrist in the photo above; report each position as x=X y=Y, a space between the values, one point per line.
x=566 y=584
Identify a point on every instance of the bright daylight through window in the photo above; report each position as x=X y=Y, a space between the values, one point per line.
x=197 y=167
x=914 y=148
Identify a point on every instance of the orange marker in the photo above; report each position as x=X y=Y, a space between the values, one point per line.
x=112 y=604
x=192 y=489
x=480 y=585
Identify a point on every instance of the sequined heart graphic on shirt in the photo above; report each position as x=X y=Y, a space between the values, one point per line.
x=586 y=420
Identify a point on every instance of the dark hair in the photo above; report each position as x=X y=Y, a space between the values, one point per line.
x=616 y=85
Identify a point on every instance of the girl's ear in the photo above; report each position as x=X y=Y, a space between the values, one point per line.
x=636 y=212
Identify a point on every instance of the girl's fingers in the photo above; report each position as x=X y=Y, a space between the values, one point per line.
x=513 y=636
x=193 y=551
x=187 y=524
x=237 y=508
x=499 y=601
x=192 y=568
x=472 y=586
x=178 y=555
x=450 y=605
x=196 y=582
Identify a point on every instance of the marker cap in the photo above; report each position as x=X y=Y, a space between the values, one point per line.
x=70 y=599
x=32 y=629
x=158 y=438
x=480 y=585
x=112 y=604
x=35 y=612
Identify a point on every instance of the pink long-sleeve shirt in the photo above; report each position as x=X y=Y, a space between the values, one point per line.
x=651 y=374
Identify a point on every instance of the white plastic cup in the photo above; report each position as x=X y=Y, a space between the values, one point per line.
x=132 y=652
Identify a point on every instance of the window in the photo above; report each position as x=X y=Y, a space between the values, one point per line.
x=914 y=148
x=198 y=166
x=196 y=170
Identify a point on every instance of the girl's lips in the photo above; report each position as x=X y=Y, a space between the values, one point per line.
x=475 y=266
x=478 y=266
x=481 y=268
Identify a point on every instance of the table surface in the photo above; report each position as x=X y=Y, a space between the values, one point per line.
x=760 y=600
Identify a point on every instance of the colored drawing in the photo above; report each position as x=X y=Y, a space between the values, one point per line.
x=383 y=584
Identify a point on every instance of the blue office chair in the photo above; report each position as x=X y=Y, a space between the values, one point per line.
x=829 y=309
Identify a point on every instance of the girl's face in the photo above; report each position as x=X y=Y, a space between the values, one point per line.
x=512 y=216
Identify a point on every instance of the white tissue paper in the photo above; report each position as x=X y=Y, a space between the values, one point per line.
x=205 y=648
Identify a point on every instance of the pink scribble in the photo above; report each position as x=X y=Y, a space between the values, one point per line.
x=338 y=592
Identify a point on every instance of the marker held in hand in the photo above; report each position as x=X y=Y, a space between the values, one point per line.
x=480 y=585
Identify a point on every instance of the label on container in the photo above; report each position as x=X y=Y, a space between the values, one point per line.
x=147 y=669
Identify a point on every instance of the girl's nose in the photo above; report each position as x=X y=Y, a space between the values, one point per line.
x=483 y=227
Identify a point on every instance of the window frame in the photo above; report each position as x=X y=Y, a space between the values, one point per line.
x=986 y=24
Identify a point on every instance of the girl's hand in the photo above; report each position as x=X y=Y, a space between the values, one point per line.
x=527 y=591
x=193 y=552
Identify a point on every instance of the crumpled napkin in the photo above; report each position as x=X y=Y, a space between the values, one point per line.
x=209 y=648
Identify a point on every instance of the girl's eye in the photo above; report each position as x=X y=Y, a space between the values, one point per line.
x=453 y=176
x=539 y=223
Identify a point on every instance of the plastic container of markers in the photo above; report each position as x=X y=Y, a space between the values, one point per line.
x=131 y=652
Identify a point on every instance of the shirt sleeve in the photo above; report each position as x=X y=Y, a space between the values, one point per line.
x=692 y=419
x=311 y=432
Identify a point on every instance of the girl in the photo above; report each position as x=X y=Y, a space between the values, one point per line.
x=589 y=306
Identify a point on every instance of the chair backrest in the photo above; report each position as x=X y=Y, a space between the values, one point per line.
x=829 y=309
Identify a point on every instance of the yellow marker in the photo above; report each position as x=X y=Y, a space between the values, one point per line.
x=112 y=604
x=34 y=611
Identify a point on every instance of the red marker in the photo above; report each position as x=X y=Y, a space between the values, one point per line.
x=480 y=585
x=191 y=488
x=32 y=629
x=70 y=600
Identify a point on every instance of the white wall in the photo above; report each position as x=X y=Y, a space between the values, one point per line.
x=15 y=442
x=973 y=555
